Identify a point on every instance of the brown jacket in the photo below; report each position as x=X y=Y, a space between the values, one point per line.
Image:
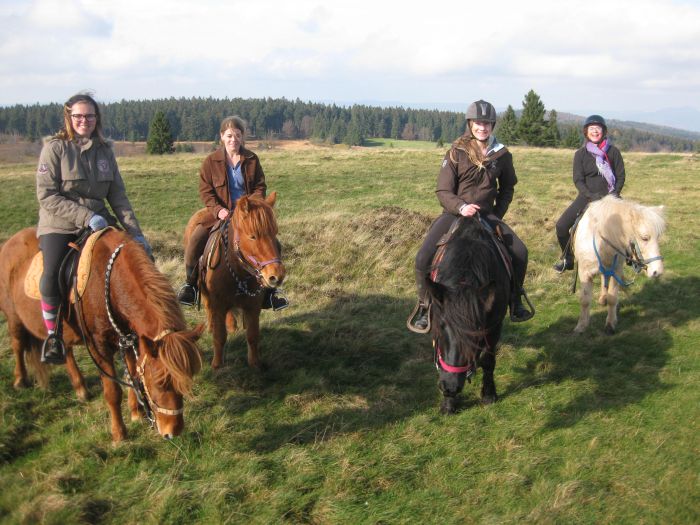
x=213 y=181
x=462 y=182
x=72 y=183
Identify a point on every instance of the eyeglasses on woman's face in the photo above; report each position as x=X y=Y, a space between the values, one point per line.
x=90 y=117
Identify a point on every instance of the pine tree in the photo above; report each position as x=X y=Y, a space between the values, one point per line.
x=160 y=140
x=532 y=127
x=552 y=137
x=507 y=132
x=573 y=138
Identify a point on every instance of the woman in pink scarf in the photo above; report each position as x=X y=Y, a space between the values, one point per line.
x=598 y=171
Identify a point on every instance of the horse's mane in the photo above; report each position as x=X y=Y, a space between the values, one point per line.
x=255 y=217
x=180 y=356
x=470 y=273
x=628 y=215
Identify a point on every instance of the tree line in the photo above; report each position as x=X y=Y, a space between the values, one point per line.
x=197 y=119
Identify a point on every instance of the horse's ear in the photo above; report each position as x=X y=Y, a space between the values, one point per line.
x=243 y=204
x=661 y=210
x=271 y=199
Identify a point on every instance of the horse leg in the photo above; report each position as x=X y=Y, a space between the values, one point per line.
x=217 y=324
x=113 y=398
x=611 y=320
x=19 y=342
x=487 y=361
x=585 y=300
x=251 y=320
x=76 y=377
x=603 y=297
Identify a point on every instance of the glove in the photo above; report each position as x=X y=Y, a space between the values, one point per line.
x=223 y=213
x=142 y=240
x=97 y=222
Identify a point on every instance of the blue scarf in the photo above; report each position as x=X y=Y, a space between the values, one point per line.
x=602 y=162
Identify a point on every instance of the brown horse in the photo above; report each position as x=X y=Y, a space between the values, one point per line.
x=243 y=261
x=126 y=296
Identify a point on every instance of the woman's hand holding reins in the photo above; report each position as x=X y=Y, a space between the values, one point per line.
x=223 y=213
x=467 y=210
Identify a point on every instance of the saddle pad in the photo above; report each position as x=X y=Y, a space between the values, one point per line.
x=36 y=268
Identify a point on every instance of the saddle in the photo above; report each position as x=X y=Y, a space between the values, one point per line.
x=496 y=237
x=81 y=253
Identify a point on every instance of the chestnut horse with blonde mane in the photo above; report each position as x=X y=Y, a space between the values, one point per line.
x=243 y=261
x=125 y=295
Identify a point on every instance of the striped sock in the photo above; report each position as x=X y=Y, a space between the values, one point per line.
x=48 y=312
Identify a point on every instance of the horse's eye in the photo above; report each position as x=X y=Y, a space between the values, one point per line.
x=645 y=238
x=253 y=237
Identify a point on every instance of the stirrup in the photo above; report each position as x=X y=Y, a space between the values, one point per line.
x=412 y=318
x=186 y=300
x=530 y=312
x=53 y=351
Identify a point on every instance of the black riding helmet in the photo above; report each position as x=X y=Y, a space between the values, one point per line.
x=595 y=119
x=481 y=110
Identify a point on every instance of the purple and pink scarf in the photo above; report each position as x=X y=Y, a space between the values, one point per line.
x=602 y=162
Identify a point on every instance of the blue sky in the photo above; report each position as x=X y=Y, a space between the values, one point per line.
x=580 y=57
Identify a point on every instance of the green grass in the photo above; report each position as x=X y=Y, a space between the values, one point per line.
x=343 y=425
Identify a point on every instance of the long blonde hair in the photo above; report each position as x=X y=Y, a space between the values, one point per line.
x=471 y=146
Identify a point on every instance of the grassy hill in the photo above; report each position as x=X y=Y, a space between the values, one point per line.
x=343 y=425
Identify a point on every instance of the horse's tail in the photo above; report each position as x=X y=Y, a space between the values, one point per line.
x=181 y=358
x=32 y=356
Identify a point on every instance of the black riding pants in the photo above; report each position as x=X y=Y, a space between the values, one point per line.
x=54 y=247
x=567 y=220
x=439 y=227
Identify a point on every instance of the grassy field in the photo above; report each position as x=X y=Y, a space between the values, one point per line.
x=343 y=425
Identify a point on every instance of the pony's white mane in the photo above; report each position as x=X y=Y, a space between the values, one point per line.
x=628 y=216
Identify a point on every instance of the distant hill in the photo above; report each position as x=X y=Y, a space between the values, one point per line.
x=570 y=118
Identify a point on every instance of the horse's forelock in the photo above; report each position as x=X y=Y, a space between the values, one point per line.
x=258 y=219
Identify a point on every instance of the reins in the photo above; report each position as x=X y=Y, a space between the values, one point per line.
x=632 y=258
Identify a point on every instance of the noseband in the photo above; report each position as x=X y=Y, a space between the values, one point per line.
x=633 y=258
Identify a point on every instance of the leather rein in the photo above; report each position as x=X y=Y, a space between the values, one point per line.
x=127 y=342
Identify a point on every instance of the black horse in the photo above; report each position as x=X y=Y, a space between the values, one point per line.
x=469 y=291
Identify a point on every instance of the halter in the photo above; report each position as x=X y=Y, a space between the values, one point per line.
x=440 y=364
x=127 y=341
x=633 y=258
x=249 y=263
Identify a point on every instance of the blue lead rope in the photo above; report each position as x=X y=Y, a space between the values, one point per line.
x=607 y=273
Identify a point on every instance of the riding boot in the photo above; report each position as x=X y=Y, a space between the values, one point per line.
x=518 y=312
x=565 y=263
x=53 y=351
x=274 y=299
x=419 y=320
x=188 y=292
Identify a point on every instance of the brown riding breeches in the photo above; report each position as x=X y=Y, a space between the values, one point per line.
x=195 y=247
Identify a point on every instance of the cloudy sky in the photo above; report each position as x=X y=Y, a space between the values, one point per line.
x=579 y=56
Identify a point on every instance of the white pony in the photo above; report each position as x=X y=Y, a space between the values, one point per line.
x=614 y=232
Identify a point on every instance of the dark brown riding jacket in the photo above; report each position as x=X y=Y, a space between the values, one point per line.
x=462 y=182
x=213 y=182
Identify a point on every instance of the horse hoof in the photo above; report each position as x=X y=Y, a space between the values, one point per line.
x=19 y=384
x=609 y=329
x=448 y=406
x=488 y=400
x=83 y=395
x=216 y=364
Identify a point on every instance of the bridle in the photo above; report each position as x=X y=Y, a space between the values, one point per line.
x=127 y=342
x=633 y=257
x=249 y=263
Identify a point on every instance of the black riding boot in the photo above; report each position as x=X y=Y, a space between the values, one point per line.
x=518 y=312
x=567 y=259
x=274 y=299
x=188 y=293
x=419 y=320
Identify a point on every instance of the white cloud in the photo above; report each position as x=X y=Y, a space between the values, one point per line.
x=340 y=50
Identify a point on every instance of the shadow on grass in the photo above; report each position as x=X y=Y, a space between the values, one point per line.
x=623 y=368
x=355 y=355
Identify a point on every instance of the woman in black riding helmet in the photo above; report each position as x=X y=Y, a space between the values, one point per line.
x=598 y=171
x=477 y=176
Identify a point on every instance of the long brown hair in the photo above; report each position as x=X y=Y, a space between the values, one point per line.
x=471 y=146
x=67 y=132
